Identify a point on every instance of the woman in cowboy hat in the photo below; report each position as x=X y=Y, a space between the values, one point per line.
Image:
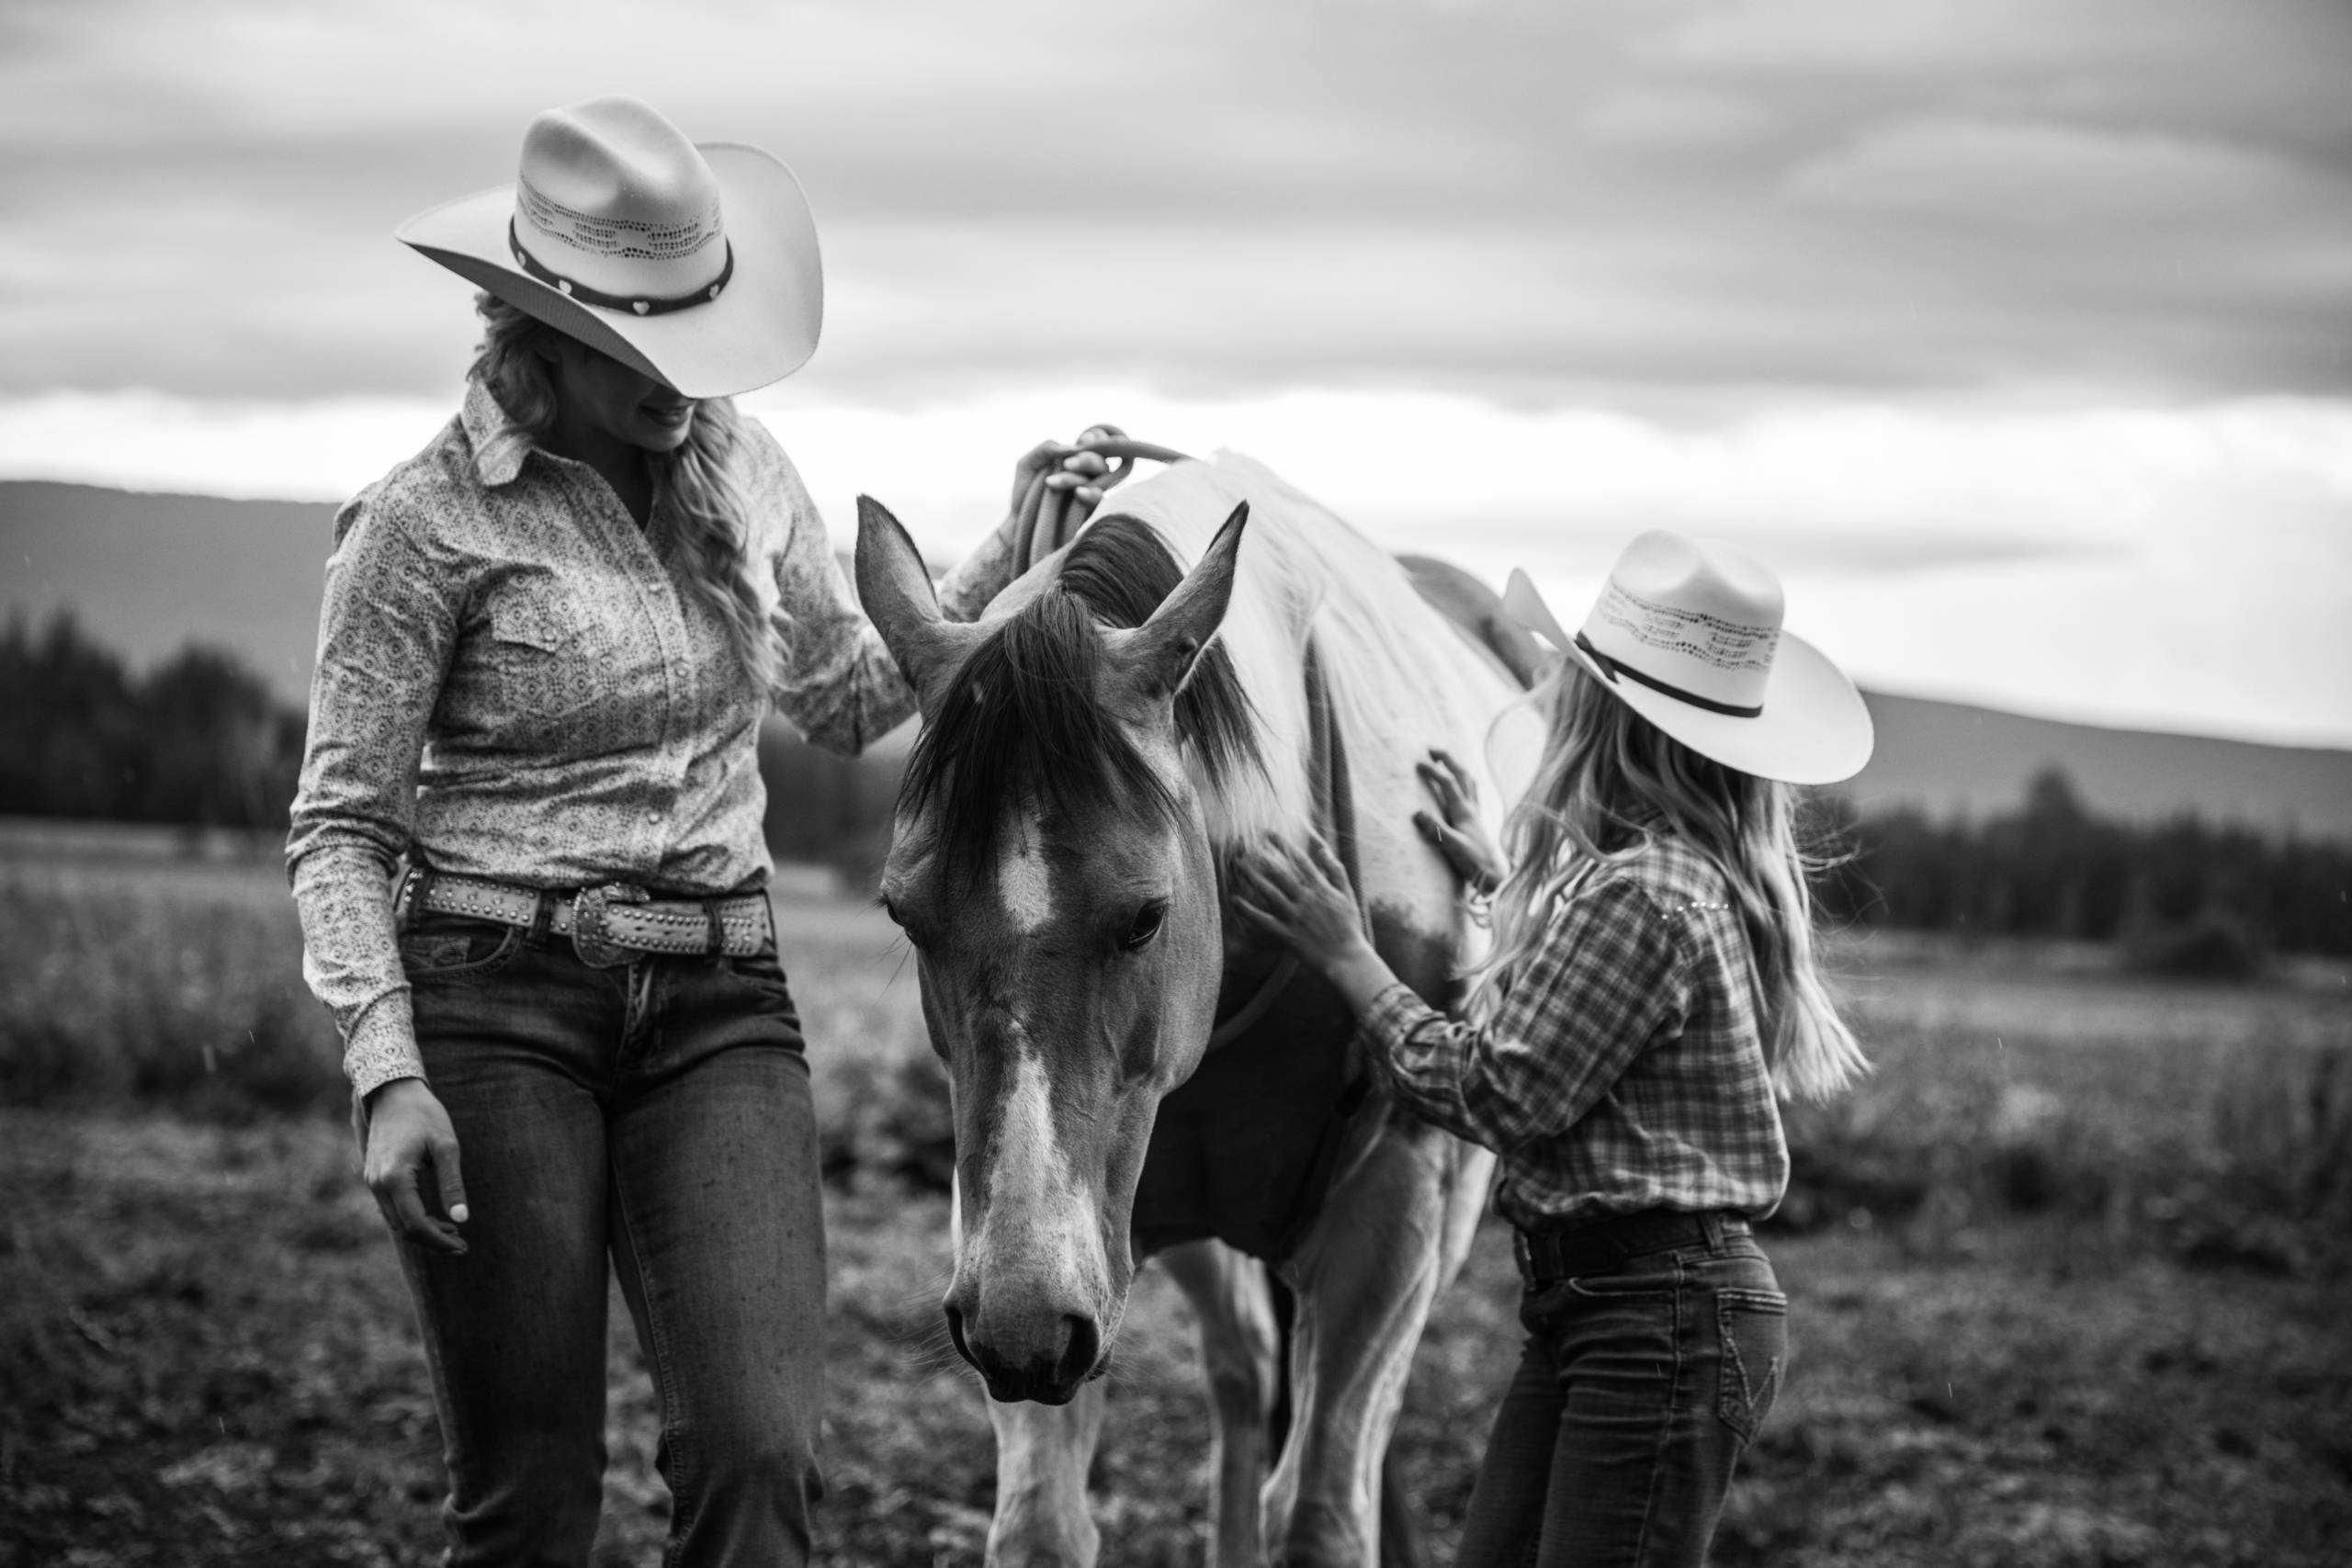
x=546 y=644
x=1652 y=983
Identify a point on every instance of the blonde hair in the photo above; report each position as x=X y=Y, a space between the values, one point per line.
x=1609 y=780
x=707 y=520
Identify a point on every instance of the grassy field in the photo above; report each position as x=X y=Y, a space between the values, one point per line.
x=2068 y=1273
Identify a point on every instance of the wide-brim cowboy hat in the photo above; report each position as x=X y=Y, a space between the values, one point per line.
x=694 y=263
x=1687 y=632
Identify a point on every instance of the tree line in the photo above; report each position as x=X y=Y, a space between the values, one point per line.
x=198 y=739
x=2183 y=894
x=202 y=739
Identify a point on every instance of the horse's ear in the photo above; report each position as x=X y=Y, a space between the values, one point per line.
x=896 y=593
x=1161 y=655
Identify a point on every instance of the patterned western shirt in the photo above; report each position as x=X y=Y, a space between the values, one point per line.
x=515 y=682
x=1622 y=1070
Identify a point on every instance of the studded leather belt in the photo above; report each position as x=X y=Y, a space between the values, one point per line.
x=607 y=925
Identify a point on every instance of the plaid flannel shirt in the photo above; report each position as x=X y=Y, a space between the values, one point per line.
x=1622 y=1070
x=516 y=682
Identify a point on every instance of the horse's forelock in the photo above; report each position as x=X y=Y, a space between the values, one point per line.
x=1023 y=720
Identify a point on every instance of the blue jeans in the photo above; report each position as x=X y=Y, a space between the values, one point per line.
x=657 y=1113
x=1637 y=1391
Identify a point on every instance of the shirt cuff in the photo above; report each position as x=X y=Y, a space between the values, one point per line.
x=1391 y=1017
x=382 y=1045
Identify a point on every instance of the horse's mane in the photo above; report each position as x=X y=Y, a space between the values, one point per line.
x=1021 y=719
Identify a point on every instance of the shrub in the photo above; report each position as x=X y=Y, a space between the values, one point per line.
x=2213 y=944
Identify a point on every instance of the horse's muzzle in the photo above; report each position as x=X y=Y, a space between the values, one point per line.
x=1051 y=1373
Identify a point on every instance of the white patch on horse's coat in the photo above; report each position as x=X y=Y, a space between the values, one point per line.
x=1404 y=679
x=1024 y=881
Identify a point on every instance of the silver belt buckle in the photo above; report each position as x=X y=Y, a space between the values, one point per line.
x=588 y=931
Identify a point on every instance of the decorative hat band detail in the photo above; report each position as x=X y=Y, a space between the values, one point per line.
x=615 y=236
x=1693 y=634
x=641 y=305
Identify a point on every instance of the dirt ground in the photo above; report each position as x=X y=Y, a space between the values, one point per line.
x=209 y=1360
x=2069 y=1285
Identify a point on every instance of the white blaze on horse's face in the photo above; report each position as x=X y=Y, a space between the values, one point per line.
x=1066 y=915
x=1023 y=883
x=1067 y=989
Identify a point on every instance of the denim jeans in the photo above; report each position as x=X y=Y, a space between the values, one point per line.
x=657 y=1112
x=1637 y=1391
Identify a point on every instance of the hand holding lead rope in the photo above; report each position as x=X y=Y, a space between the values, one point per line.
x=1057 y=486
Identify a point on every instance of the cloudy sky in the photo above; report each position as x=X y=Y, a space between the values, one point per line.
x=2016 y=333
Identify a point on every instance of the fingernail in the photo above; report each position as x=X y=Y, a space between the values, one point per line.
x=458 y=1212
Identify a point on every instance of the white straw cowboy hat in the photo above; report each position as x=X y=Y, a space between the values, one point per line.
x=1687 y=632
x=697 y=264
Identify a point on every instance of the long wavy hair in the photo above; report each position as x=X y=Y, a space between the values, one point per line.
x=707 y=521
x=1609 y=780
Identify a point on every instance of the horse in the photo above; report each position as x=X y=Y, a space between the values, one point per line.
x=1135 y=1070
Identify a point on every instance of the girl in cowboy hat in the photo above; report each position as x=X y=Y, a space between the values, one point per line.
x=1652 y=983
x=546 y=644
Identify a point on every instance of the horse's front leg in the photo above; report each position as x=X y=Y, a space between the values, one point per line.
x=1042 y=1454
x=1394 y=1231
x=1233 y=1302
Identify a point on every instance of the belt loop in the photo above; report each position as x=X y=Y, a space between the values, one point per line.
x=718 y=928
x=1711 y=1224
x=542 y=915
x=417 y=889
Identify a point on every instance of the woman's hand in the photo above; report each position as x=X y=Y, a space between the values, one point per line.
x=1455 y=828
x=407 y=1130
x=1075 y=468
x=1301 y=898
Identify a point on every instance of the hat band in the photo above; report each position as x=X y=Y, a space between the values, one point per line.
x=1614 y=668
x=642 y=305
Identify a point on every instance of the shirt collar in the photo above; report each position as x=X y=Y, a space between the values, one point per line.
x=500 y=445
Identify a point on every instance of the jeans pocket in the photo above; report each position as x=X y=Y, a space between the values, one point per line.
x=1753 y=1329
x=445 y=949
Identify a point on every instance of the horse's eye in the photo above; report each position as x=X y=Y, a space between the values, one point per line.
x=898 y=919
x=1144 y=926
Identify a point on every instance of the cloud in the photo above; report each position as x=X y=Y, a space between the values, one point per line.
x=1714 y=204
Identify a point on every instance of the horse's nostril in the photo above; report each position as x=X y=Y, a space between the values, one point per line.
x=1081 y=1343
x=956 y=1333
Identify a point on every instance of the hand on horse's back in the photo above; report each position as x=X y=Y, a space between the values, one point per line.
x=1455 y=829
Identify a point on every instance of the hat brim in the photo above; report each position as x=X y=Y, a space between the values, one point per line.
x=1815 y=729
x=762 y=328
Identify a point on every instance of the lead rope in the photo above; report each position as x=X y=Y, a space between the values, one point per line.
x=1050 y=519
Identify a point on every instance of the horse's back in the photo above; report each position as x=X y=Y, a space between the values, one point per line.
x=1399 y=674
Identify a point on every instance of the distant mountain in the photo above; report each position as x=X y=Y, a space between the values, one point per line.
x=1952 y=759
x=148 y=573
